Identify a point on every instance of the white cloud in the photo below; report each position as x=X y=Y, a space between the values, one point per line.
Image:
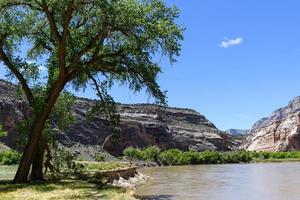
x=226 y=43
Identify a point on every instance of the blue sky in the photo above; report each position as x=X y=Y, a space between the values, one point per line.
x=233 y=87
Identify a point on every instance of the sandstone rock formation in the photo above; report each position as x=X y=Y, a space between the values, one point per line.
x=279 y=132
x=237 y=132
x=13 y=108
x=141 y=125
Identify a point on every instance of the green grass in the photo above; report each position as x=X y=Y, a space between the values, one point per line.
x=104 y=166
x=63 y=189
x=7 y=172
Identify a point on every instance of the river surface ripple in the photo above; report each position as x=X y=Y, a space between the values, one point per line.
x=263 y=181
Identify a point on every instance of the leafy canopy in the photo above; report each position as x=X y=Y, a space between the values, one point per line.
x=79 y=42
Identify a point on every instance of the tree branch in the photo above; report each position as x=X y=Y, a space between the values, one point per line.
x=50 y=18
x=58 y=38
x=96 y=86
x=98 y=37
x=18 y=75
x=68 y=17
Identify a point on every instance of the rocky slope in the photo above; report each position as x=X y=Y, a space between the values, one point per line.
x=279 y=132
x=236 y=132
x=141 y=125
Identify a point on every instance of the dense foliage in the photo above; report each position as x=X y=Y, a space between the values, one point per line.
x=9 y=157
x=132 y=153
x=177 y=157
x=2 y=132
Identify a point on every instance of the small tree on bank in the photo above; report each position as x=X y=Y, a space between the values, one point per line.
x=77 y=42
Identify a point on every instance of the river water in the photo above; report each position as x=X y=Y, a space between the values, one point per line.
x=265 y=181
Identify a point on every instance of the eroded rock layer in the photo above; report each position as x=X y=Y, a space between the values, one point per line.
x=141 y=125
x=279 y=132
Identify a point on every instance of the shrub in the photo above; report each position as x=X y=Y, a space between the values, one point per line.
x=132 y=153
x=294 y=154
x=100 y=157
x=10 y=157
x=2 y=132
x=279 y=155
x=237 y=157
x=265 y=155
x=63 y=159
x=255 y=154
x=170 y=157
x=189 y=158
x=177 y=157
x=151 y=153
x=209 y=157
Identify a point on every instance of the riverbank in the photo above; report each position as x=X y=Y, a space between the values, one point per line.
x=273 y=160
x=173 y=157
x=121 y=178
x=63 y=189
x=73 y=187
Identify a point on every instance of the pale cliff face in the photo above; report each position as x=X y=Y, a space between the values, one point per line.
x=279 y=132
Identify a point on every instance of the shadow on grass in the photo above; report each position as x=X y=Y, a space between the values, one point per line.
x=48 y=186
x=86 y=189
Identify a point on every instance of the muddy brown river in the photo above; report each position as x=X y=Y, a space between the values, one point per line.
x=265 y=181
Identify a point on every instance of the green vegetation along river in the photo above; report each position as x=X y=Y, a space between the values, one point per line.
x=256 y=181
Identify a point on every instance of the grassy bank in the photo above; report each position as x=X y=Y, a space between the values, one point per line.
x=177 y=157
x=66 y=188
x=274 y=160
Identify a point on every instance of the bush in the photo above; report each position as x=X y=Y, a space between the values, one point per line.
x=189 y=158
x=151 y=153
x=132 y=153
x=177 y=157
x=209 y=157
x=63 y=159
x=100 y=157
x=280 y=155
x=170 y=157
x=10 y=157
x=265 y=155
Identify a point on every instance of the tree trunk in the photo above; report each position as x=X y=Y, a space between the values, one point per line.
x=31 y=148
x=28 y=154
x=37 y=164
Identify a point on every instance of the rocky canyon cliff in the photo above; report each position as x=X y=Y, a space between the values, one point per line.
x=278 y=132
x=141 y=125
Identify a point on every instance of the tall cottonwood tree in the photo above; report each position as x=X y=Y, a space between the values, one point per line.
x=77 y=42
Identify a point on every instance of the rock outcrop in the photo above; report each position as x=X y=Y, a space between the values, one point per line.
x=279 y=132
x=13 y=108
x=141 y=125
x=237 y=132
